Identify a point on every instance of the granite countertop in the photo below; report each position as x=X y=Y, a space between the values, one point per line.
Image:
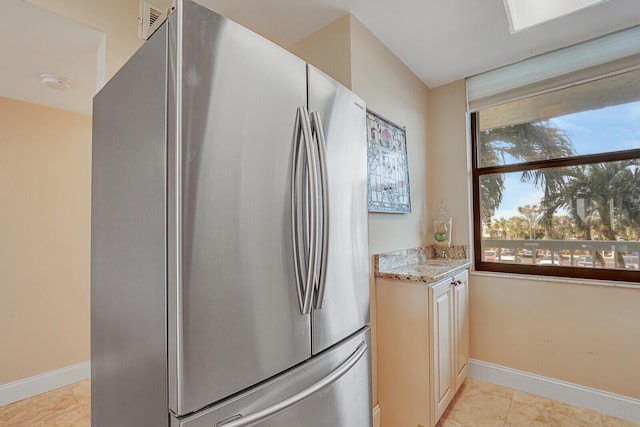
x=421 y=264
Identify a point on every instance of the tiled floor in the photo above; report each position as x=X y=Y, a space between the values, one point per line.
x=477 y=404
x=482 y=404
x=68 y=406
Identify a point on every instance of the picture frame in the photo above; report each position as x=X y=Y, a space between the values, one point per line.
x=388 y=188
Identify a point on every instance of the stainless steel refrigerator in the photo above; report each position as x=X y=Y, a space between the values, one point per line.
x=230 y=269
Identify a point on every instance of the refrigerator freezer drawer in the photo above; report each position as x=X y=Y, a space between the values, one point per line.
x=338 y=379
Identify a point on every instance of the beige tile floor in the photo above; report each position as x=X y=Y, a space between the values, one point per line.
x=68 y=406
x=481 y=404
x=477 y=404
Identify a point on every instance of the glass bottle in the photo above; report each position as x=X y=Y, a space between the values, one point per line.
x=442 y=227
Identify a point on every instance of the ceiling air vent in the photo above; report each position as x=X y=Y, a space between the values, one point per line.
x=150 y=18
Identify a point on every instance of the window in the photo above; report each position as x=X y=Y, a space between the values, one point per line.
x=556 y=181
x=527 y=13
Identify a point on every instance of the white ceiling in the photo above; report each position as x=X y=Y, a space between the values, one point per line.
x=36 y=41
x=439 y=40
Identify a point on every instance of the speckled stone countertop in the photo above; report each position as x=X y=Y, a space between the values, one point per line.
x=420 y=264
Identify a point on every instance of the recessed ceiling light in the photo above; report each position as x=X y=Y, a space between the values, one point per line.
x=55 y=82
x=523 y=14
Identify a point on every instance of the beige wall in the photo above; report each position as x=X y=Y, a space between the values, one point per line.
x=583 y=334
x=351 y=54
x=392 y=90
x=329 y=49
x=45 y=182
x=447 y=158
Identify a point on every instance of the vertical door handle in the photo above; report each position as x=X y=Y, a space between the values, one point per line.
x=305 y=269
x=317 y=132
x=295 y=211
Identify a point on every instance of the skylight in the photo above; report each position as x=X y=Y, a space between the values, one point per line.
x=527 y=13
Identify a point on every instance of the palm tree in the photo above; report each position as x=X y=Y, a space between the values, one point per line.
x=525 y=142
x=518 y=228
x=595 y=193
x=563 y=228
x=491 y=186
x=502 y=226
x=517 y=144
x=532 y=214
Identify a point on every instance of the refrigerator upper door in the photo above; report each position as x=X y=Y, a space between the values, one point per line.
x=237 y=317
x=344 y=308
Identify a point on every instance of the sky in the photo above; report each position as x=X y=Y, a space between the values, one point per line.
x=595 y=131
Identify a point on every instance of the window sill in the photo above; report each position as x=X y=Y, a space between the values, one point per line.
x=556 y=279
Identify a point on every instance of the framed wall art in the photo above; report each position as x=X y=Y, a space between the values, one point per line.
x=388 y=166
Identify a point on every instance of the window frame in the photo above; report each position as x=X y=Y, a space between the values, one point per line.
x=528 y=269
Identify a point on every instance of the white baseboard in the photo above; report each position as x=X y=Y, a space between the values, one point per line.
x=27 y=387
x=574 y=394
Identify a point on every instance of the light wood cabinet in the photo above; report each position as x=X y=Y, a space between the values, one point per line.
x=442 y=335
x=461 y=313
x=423 y=348
x=449 y=337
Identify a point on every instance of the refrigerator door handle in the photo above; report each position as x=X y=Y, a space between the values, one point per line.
x=317 y=131
x=263 y=414
x=295 y=237
x=304 y=285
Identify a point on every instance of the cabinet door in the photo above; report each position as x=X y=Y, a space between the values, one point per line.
x=442 y=328
x=461 y=313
